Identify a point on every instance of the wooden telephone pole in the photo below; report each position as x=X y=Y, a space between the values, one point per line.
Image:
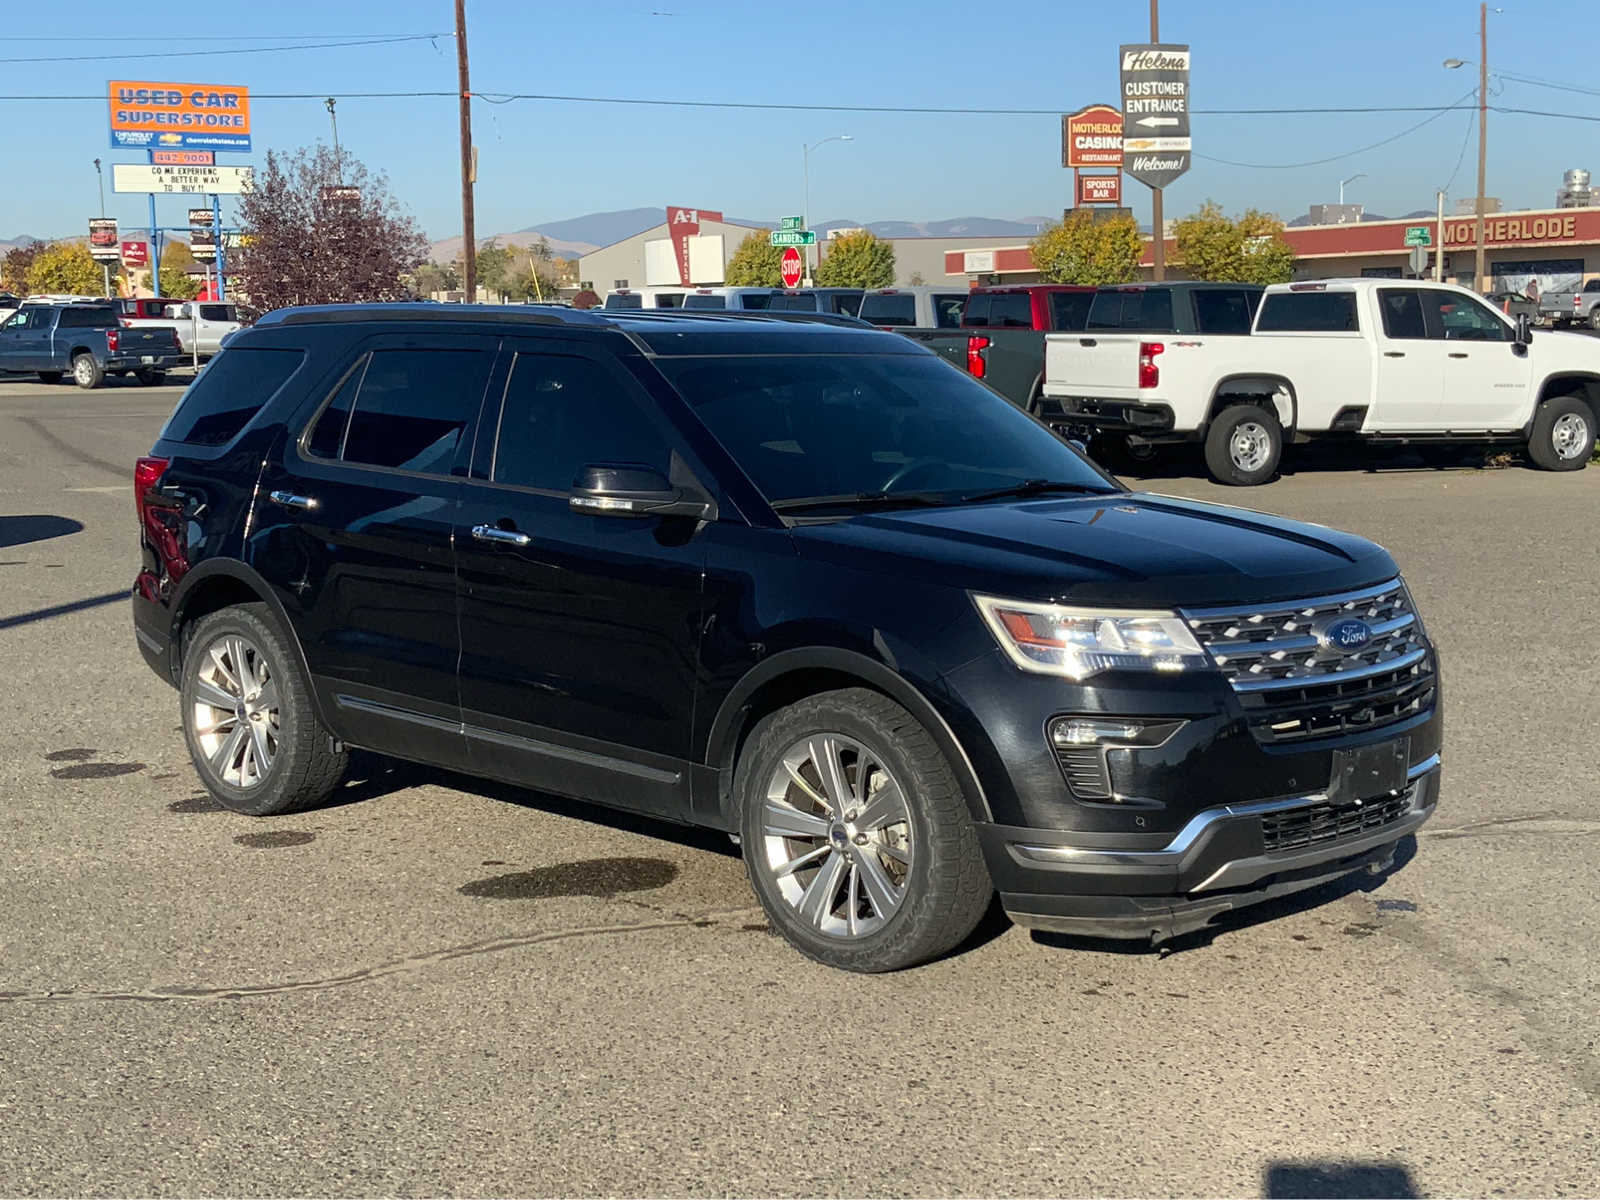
x=469 y=240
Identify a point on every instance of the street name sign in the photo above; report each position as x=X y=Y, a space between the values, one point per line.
x=794 y=237
x=1155 y=112
x=790 y=223
x=188 y=181
x=1418 y=235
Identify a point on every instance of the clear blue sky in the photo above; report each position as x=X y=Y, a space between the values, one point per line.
x=542 y=161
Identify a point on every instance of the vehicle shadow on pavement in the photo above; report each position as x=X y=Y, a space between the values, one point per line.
x=1243 y=918
x=1187 y=462
x=1334 y=1178
x=61 y=610
x=19 y=531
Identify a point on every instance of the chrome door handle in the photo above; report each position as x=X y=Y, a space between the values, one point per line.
x=290 y=500
x=488 y=533
x=1459 y=354
x=1394 y=353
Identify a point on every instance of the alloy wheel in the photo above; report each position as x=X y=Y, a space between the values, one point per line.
x=1569 y=435
x=837 y=835
x=1250 y=446
x=236 y=715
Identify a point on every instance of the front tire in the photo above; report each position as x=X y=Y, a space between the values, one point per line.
x=1244 y=446
x=87 y=373
x=1563 y=434
x=248 y=717
x=856 y=834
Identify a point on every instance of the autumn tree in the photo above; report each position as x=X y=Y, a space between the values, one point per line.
x=755 y=263
x=857 y=260
x=433 y=277
x=1087 y=251
x=66 y=267
x=1249 y=248
x=324 y=230
x=495 y=265
x=16 y=265
x=176 y=282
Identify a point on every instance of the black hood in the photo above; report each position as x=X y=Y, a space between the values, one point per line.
x=1123 y=550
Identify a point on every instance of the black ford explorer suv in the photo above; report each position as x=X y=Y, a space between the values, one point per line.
x=790 y=578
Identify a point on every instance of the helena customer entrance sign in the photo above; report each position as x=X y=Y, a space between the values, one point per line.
x=1155 y=112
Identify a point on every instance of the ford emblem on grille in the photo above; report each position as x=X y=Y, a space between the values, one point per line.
x=1344 y=636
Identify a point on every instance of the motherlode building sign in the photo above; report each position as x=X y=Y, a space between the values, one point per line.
x=179 y=116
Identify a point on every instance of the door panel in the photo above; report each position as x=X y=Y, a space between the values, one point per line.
x=1410 y=365
x=355 y=532
x=580 y=634
x=1487 y=375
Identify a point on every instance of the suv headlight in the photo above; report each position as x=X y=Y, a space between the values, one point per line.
x=1075 y=643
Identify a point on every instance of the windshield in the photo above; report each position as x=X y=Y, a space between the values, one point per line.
x=807 y=426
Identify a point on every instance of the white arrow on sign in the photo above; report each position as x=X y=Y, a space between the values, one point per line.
x=1155 y=122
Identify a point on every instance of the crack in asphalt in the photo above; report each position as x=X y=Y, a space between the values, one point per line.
x=81 y=457
x=1557 y=823
x=394 y=966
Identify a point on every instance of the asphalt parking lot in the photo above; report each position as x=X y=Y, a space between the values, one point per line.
x=439 y=986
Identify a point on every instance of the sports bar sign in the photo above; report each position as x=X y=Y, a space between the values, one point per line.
x=179 y=116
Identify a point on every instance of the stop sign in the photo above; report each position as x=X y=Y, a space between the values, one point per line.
x=793 y=267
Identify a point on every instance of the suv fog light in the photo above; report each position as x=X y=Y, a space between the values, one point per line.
x=1080 y=745
x=1080 y=732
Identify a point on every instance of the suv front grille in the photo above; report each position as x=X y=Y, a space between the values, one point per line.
x=1316 y=824
x=1294 y=686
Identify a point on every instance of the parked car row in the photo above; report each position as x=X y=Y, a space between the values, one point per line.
x=87 y=340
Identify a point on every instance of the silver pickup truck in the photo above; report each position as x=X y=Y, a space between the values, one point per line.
x=1572 y=308
x=200 y=325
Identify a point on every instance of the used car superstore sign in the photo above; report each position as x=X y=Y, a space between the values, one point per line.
x=199 y=115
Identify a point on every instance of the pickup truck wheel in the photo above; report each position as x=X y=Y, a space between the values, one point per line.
x=1594 y=318
x=1244 y=446
x=856 y=833
x=87 y=373
x=49 y=376
x=1563 y=434
x=151 y=378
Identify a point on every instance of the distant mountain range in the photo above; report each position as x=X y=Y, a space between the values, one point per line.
x=1366 y=216
x=22 y=239
x=578 y=235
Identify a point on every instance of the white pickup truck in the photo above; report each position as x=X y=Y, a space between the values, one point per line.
x=200 y=325
x=1359 y=358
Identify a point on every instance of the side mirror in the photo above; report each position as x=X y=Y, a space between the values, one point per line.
x=627 y=490
x=1524 y=329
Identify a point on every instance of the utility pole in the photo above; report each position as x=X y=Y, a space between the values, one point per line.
x=1483 y=132
x=1438 y=237
x=469 y=240
x=100 y=178
x=1158 y=223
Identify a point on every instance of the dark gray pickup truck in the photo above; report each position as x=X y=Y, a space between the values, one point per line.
x=87 y=341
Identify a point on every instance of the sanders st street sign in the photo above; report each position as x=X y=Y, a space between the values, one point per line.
x=1155 y=112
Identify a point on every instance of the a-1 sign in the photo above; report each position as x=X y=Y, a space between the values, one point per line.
x=188 y=181
x=792 y=268
x=1155 y=112
x=794 y=237
x=1418 y=235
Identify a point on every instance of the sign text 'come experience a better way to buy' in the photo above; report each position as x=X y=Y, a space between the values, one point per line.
x=183 y=181
x=187 y=116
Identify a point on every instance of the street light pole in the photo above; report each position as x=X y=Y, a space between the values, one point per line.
x=805 y=206
x=100 y=179
x=1483 y=132
x=1352 y=179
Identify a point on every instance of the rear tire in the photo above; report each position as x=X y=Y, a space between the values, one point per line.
x=1594 y=318
x=87 y=373
x=248 y=717
x=49 y=376
x=1244 y=446
x=875 y=867
x=1563 y=434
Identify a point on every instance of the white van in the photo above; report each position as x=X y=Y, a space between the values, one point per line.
x=646 y=297
x=738 y=299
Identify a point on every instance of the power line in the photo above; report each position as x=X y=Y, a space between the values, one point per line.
x=1317 y=162
x=380 y=41
x=189 y=37
x=1472 y=121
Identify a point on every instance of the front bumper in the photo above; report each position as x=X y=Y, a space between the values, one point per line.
x=1219 y=861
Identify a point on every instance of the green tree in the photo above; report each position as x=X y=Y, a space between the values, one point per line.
x=177 y=284
x=1085 y=251
x=433 y=277
x=857 y=260
x=66 y=267
x=1249 y=248
x=533 y=281
x=495 y=264
x=756 y=263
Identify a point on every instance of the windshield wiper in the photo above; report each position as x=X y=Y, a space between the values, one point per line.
x=1038 y=487
x=864 y=500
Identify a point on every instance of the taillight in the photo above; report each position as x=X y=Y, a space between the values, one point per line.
x=113 y=339
x=1576 y=302
x=147 y=472
x=1149 y=373
x=977 y=365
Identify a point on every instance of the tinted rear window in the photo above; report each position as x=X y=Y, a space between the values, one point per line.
x=1138 y=310
x=624 y=301
x=1012 y=310
x=215 y=312
x=1070 y=310
x=1308 y=312
x=229 y=392
x=846 y=303
x=705 y=302
x=899 y=309
x=1222 y=311
x=87 y=318
x=947 y=310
